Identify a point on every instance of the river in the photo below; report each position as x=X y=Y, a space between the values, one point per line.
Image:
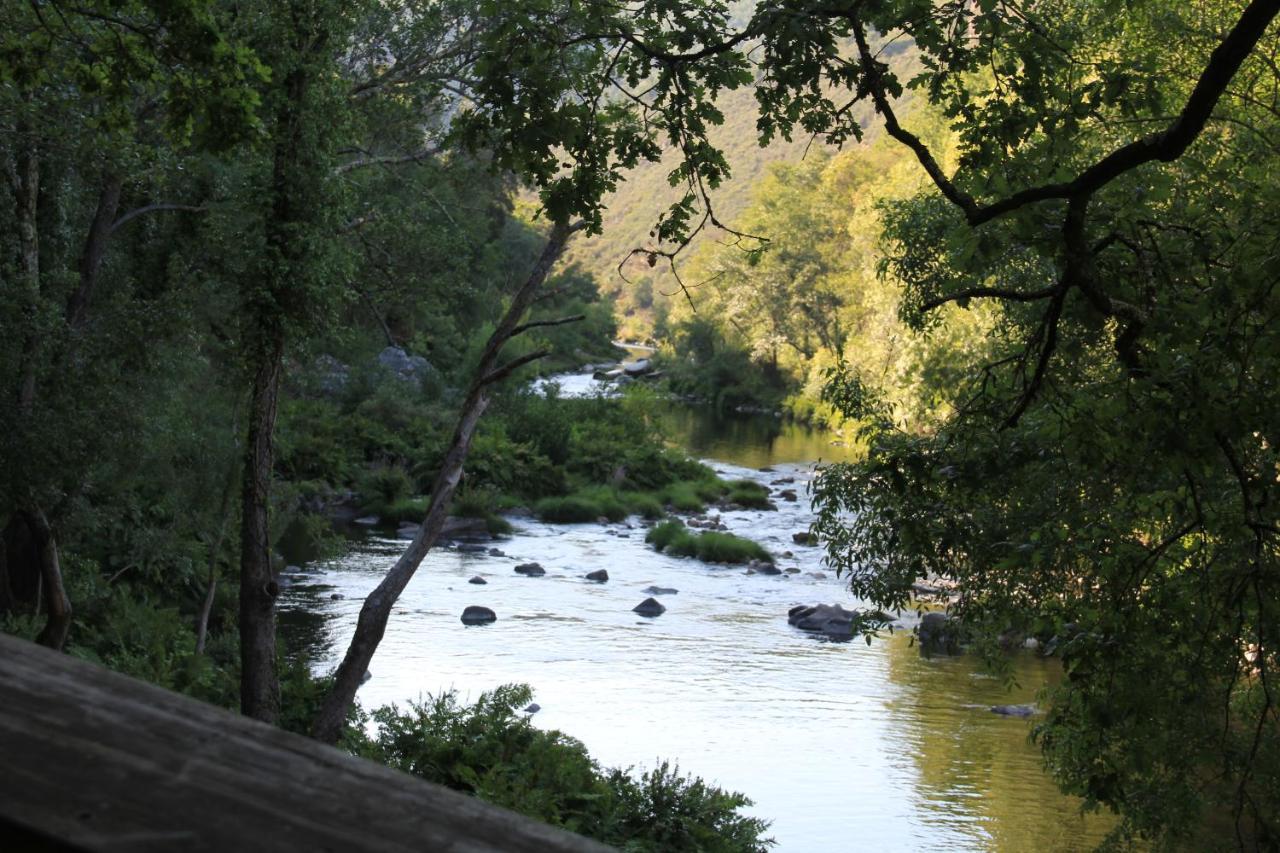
x=843 y=746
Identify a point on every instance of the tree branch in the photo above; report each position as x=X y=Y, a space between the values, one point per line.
x=500 y=373
x=539 y=324
x=154 y=208
x=387 y=160
x=1166 y=145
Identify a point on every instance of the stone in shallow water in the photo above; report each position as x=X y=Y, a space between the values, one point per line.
x=661 y=590
x=477 y=615
x=477 y=580
x=599 y=575
x=649 y=607
x=532 y=570
x=533 y=708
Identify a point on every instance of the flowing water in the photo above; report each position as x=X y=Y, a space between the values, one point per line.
x=844 y=746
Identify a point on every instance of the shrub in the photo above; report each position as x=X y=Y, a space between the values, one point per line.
x=749 y=494
x=491 y=751
x=644 y=504
x=384 y=487
x=709 y=546
x=714 y=547
x=662 y=535
x=573 y=509
x=407 y=509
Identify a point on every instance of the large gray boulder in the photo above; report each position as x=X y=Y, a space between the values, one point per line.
x=331 y=375
x=638 y=368
x=649 y=607
x=532 y=570
x=477 y=615
x=410 y=369
x=464 y=528
x=938 y=634
x=831 y=620
x=599 y=576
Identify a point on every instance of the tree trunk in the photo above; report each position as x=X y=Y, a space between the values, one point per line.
x=94 y=250
x=376 y=610
x=25 y=178
x=215 y=551
x=259 y=683
x=58 y=625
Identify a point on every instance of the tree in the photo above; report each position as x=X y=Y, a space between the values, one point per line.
x=147 y=78
x=1108 y=473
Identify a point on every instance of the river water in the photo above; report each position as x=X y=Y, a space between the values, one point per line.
x=843 y=746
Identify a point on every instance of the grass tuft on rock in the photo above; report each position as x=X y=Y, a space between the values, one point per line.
x=672 y=537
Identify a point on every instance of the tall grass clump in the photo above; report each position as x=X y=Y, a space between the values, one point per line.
x=710 y=546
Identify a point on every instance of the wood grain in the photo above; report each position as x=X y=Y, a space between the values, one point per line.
x=95 y=760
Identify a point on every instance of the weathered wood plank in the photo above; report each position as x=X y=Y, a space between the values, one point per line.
x=101 y=761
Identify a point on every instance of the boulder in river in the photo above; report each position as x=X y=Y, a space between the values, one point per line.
x=661 y=590
x=788 y=495
x=804 y=537
x=766 y=569
x=477 y=580
x=458 y=528
x=638 y=368
x=532 y=570
x=533 y=708
x=599 y=575
x=477 y=615
x=649 y=607
x=471 y=548
x=831 y=620
x=938 y=634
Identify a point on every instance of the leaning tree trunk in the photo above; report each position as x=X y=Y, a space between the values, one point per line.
x=259 y=682
x=377 y=606
x=58 y=625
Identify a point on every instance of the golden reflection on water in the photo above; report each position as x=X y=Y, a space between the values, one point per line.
x=980 y=767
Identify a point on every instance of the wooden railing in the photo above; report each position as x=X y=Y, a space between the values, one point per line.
x=94 y=760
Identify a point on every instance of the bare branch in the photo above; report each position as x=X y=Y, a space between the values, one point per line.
x=539 y=324
x=156 y=208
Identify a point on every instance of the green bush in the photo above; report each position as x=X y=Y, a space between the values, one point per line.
x=644 y=504
x=491 y=751
x=662 y=535
x=407 y=509
x=749 y=494
x=383 y=487
x=709 y=546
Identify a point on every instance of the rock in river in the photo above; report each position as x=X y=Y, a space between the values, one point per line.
x=532 y=570
x=938 y=634
x=476 y=615
x=804 y=537
x=477 y=580
x=829 y=619
x=471 y=548
x=661 y=590
x=649 y=607
x=599 y=575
